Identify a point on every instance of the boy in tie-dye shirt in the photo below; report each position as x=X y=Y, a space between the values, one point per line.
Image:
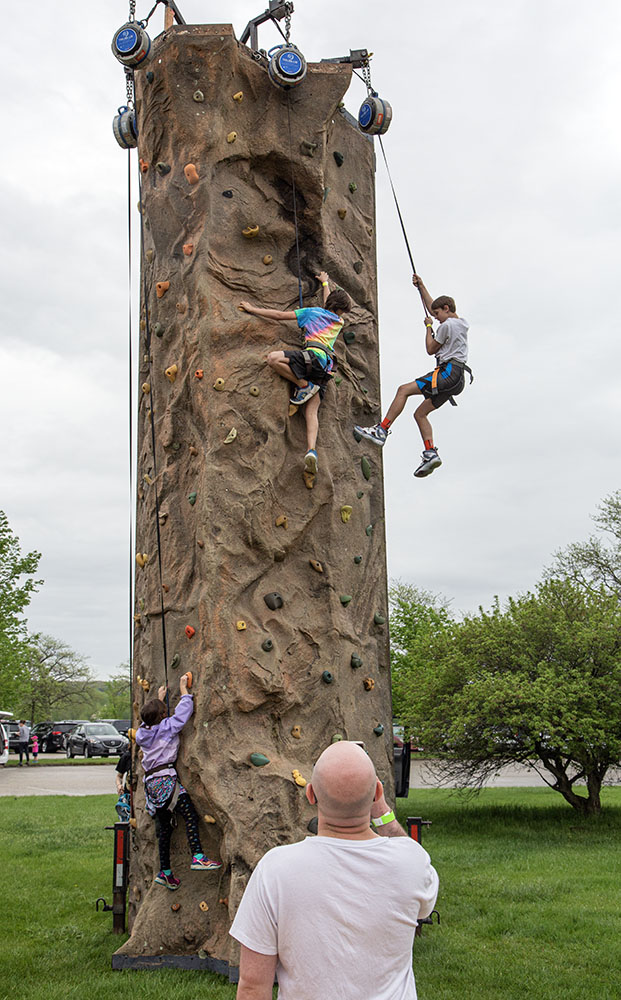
x=309 y=369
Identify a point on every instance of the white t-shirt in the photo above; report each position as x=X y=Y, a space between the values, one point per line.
x=453 y=335
x=340 y=915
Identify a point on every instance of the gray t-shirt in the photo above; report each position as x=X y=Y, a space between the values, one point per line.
x=24 y=733
x=453 y=335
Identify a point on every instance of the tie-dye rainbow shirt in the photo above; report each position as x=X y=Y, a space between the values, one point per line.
x=321 y=326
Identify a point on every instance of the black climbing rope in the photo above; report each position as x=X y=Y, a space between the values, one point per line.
x=131 y=469
x=295 y=208
x=405 y=235
x=152 y=422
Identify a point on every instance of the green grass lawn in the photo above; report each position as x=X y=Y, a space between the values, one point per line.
x=529 y=902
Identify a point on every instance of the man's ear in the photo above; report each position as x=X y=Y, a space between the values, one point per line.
x=310 y=794
x=379 y=791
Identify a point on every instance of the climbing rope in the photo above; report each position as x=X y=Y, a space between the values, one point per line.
x=131 y=471
x=152 y=422
x=295 y=208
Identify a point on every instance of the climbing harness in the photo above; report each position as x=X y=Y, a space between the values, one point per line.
x=436 y=372
x=375 y=114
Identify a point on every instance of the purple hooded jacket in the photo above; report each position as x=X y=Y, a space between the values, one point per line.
x=160 y=743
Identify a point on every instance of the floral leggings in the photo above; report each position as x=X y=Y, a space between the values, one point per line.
x=164 y=828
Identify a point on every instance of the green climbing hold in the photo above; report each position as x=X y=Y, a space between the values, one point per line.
x=378 y=619
x=259 y=759
x=369 y=530
x=337 y=738
x=353 y=186
x=150 y=76
x=337 y=379
x=175 y=446
x=349 y=336
x=192 y=498
x=340 y=159
x=357 y=560
x=358 y=436
x=267 y=645
x=379 y=730
x=162 y=168
x=355 y=661
x=365 y=391
x=365 y=465
x=175 y=660
x=326 y=192
x=158 y=330
x=360 y=494
x=345 y=599
x=327 y=677
x=358 y=265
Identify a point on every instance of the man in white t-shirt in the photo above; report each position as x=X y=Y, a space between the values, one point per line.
x=450 y=345
x=335 y=915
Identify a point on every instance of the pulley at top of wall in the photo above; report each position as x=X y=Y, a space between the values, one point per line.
x=287 y=66
x=375 y=114
x=131 y=44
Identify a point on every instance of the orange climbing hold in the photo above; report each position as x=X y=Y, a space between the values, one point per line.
x=188 y=249
x=191 y=173
x=171 y=373
x=144 y=166
x=189 y=631
x=199 y=373
x=161 y=288
x=189 y=679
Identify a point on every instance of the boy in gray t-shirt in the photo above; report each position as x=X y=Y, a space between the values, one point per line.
x=450 y=345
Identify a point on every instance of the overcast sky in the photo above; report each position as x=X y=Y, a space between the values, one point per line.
x=505 y=149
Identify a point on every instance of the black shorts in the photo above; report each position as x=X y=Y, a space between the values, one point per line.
x=451 y=382
x=318 y=374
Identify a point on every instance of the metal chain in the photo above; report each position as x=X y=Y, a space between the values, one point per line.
x=288 y=23
x=129 y=86
x=132 y=10
x=366 y=75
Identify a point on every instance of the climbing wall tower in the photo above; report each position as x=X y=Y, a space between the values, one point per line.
x=273 y=586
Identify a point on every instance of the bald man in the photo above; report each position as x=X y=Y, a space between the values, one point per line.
x=335 y=914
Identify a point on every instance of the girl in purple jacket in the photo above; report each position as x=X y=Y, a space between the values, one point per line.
x=158 y=738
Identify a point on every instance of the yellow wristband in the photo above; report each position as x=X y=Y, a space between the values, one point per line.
x=383 y=820
x=429 y=325
x=325 y=284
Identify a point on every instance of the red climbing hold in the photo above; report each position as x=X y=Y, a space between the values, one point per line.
x=189 y=631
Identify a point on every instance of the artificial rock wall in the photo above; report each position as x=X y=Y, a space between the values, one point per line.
x=237 y=519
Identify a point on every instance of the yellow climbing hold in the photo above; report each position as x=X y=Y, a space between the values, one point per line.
x=142 y=558
x=316 y=565
x=203 y=906
x=254 y=390
x=146 y=388
x=239 y=96
x=250 y=232
x=268 y=259
x=342 y=212
x=281 y=521
x=296 y=732
x=208 y=818
x=219 y=384
x=231 y=137
x=369 y=683
x=297 y=777
x=345 y=513
x=241 y=626
x=232 y=434
x=131 y=734
x=171 y=373
x=292 y=410
x=309 y=480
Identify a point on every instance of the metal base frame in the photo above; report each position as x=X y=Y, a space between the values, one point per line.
x=191 y=962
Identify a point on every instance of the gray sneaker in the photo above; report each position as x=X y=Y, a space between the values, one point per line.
x=376 y=434
x=431 y=460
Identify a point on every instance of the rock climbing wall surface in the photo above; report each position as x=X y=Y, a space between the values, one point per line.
x=274 y=587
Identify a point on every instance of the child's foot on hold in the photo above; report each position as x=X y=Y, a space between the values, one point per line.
x=310 y=462
x=203 y=862
x=431 y=460
x=377 y=434
x=303 y=395
x=168 y=879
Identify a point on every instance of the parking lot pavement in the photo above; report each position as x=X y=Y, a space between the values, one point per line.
x=67 y=780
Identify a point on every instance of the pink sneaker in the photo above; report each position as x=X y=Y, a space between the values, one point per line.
x=168 y=880
x=205 y=863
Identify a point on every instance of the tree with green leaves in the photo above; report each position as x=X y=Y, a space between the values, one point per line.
x=537 y=682
x=16 y=589
x=118 y=695
x=596 y=562
x=57 y=676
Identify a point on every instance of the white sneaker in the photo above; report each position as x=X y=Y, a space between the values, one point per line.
x=431 y=460
x=376 y=434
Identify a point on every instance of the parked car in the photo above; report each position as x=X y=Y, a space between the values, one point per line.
x=122 y=725
x=4 y=744
x=401 y=759
x=95 y=739
x=52 y=735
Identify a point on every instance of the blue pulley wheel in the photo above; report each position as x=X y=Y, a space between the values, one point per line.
x=125 y=128
x=287 y=66
x=131 y=44
x=375 y=115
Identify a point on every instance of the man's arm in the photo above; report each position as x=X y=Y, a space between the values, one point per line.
x=266 y=313
x=391 y=829
x=256 y=975
x=418 y=282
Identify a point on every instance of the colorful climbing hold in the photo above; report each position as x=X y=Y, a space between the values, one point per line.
x=227 y=194
x=198 y=96
x=356 y=661
x=268 y=259
x=337 y=738
x=150 y=76
x=340 y=159
x=175 y=660
x=142 y=558
x=241 y=625
x=254 y=390
x=171 y=373
x=379 y=619
x=208 y=818
x=259 y=759
x=219 y=384
x=192 y=498
x=131 y=735
x=161 y=288
x=189 y=631
x=297 y=777
x=326 y=192
x=349 y=336
x=337 y=379
x=365 y=465
x=144 y=166
x=296 y=732
x=188 y=249
x=175 y=907
x=357 y=436
x=199 y=373
x=181 y=307
x=203 y=906
x=250 y=232
x=357 y=560
x=353 y=186
x=346 y=511
x=274 y=601
x=369 y=683
x=358 y=265
x=189 y=679
x=239 y=96
x=150 y=254
x=309 y=478
x=342 y=212
x=267 y=645
x=162 y=168
x=232 y=434
x=200 y=543
x=360 y=494
x=193 y=450
x=345 y=599
x=231 y=137
x=224 y=900
x=158 y=330
x=316 y=565
x=282 y=521
x=146 y=388
x=327 y=677
x=369 y=530
x=379 y=729
x=308 y=148
x=191 y=173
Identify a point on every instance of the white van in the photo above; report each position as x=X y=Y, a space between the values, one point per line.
x=4 y=745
